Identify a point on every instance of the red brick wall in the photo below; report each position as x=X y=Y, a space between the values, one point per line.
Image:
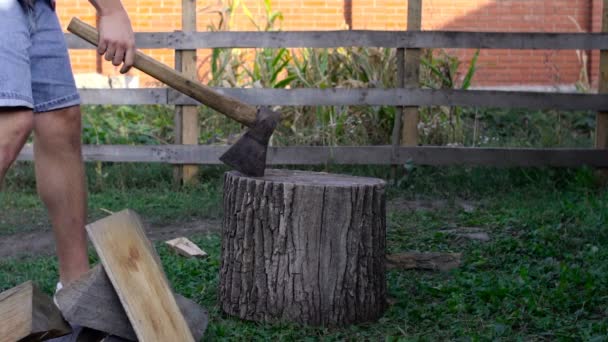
x=495 y=67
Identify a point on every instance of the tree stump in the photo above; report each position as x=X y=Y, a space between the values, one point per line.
x=303 y=247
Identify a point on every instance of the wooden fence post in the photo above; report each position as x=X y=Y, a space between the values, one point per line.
x=405 y=130
x=186 y=123
x=601 y=128
x=409 y=133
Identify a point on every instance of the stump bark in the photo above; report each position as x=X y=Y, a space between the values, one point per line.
x=303 y=247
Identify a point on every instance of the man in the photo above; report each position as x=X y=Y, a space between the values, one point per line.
x=37 y=93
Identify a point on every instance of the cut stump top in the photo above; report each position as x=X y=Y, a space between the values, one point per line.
x=311 y=178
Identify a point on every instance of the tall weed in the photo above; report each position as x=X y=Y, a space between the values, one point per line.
x=337 y=125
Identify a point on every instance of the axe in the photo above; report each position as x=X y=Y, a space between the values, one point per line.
x=248 y=154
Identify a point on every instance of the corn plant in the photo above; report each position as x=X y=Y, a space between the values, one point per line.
x=269 y=66
x=327 y=68
x=444 y=125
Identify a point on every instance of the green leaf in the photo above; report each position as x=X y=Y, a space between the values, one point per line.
x=472 y=69
x=435 y=71
x=285 y=82
x=278 y=70
x=279 y=56
x=249 y=16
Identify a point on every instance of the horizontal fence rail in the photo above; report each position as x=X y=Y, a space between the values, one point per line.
x=407 y=97
x=351 y=155
x=375 y=97
x=359 y=38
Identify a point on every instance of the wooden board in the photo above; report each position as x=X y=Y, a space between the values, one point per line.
x=138 y=278
x=27 y=314
x=353 y=155
x=92 y=302
x=186 y=248
x=363 y=38
x=358 y=97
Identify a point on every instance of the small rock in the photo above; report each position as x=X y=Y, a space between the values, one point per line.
x=483 y=237
x=467 y=207
x=470 y=233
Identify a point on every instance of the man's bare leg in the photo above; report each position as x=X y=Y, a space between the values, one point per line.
x=15 y=127
x=61 y=184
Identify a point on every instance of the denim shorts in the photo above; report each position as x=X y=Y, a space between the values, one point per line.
x=35 y=70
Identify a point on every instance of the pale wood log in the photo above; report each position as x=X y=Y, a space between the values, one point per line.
x=304 y=247
x=136 y=273
x=424 y=261
x=186 y=248
x=27 y=314
x=92 y=302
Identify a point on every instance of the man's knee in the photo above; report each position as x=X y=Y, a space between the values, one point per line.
x=15 y=127
x=16 y=120
x=5 y=160
x=60 y=129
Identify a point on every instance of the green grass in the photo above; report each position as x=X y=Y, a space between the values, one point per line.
x=148 y=189
x=24 y=212
x=543 y=276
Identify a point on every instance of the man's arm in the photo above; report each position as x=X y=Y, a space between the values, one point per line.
x=116 y=38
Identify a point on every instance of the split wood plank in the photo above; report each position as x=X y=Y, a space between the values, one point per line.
x=137 y=276
x=424 y=261
x=27 y=314
x=183 y=246
x=363 y=38
x=92 y=301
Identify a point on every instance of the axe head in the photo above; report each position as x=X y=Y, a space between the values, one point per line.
x=248 y=154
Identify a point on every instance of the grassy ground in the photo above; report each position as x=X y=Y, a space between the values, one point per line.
x=543 y=276
x=148 y=189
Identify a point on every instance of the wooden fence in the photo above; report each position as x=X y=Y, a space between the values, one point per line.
x=407 y=97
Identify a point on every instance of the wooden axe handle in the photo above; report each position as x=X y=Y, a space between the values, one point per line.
x=231 y=107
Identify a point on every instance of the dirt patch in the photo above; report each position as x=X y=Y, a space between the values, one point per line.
x=42 y=242
x=401 y=204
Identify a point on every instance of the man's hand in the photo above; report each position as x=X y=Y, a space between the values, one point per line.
x=116 y=38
